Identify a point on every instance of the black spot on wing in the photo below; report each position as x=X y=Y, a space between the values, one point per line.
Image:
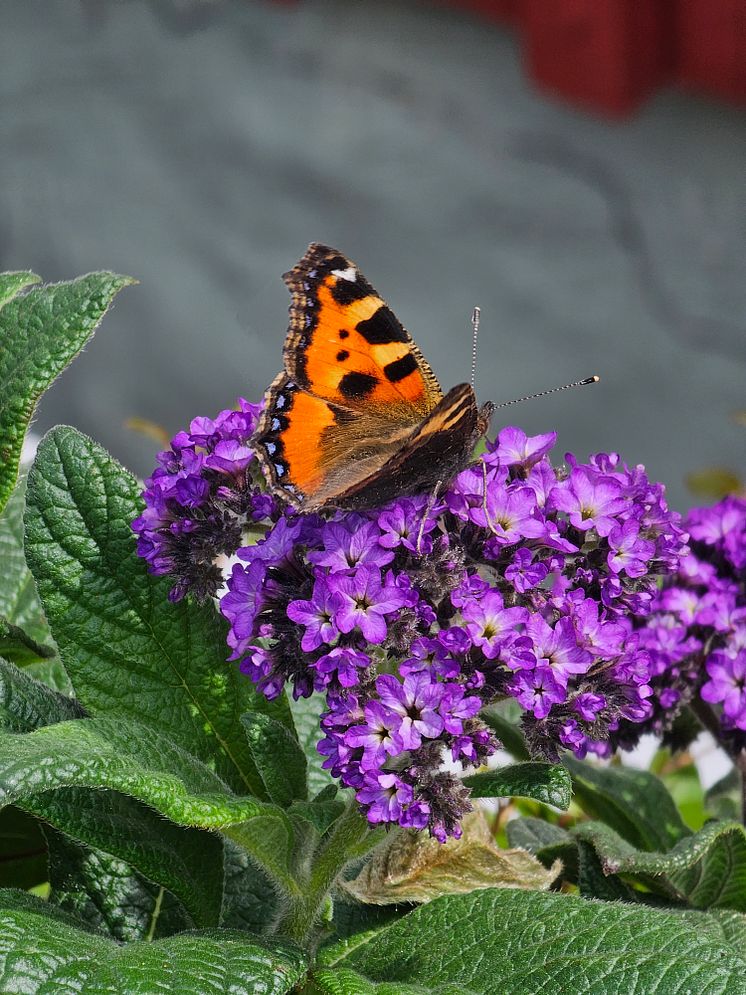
x=382 y=328
x=348 y=291
x=343 y=333
x=356 y=386
x=342 y=355
x=400 y=368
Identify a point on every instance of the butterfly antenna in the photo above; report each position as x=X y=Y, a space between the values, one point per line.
x=475 y=316
x=552 y=390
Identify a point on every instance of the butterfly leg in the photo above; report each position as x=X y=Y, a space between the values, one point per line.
x=487 y=518
x=428 y=508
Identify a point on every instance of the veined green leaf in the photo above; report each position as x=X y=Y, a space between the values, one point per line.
x=41 y=332
x=494 y=942
x=44 y=951
x=129 y=651
x=549 y=783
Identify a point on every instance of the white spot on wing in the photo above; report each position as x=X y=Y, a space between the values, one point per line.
x=349 y=274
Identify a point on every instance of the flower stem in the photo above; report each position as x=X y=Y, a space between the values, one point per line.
x=350 y=837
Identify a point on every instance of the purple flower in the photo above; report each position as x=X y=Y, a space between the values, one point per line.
x=520 y=581
x=316 y=615
x=557 y=648
x=361 y=601
x=350 y=544
x=511 y=515
x=385 y=796
x=727 y=684
x=628 y=551
x=523 y=573
x=342 y=662
x=490 y=624
x=415 y=702
x=401 y=524
x=515 y=448
x=588 y=705
x=379 y=736
x=590 y=499
x=537 y=690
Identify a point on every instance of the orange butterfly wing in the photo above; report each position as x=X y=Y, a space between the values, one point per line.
x=354 y=393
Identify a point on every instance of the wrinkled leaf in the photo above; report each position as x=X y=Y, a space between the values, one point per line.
x=306 y=715
x=545 y=841
x=549 y=783
x=249 y=900
x=44 y=951
x=41 y=333
x=706 y=869
x=137 y=761
x=128 y=650
x=23 y=850
x=277 y=757
x=411 y=867
x=19 y=603
x=19 y=647
x=108 y=895
x=634 y=802
x=26 y=703
x=494 y=942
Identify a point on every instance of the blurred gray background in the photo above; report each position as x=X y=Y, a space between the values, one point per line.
x=199 y=146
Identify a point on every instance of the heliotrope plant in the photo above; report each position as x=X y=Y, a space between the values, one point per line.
x=695 y=636
x=521 y=580
x=200 y=825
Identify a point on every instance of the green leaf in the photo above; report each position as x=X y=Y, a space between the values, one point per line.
x=19 y=603
x=594 y=883
x=634 y=802
x=249 y=900
x=186 y=861
x=41 y=333
x=137 y=761
x=706 y=869
x=26 y=703
x=13 y=283
x=129 y=651
x=532 y=942
x=43 y=950
x=341 y=981
x=549 y=783
x=277 y=757
x=18 y=647
x=23 y=850
x=503 y=719
x=545 y=841
x=306 y=715
x=107 y=895
x=723 y=800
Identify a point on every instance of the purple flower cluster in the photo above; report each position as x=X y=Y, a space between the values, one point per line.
x=696 y=636
x=520 y=581
x=200 y=501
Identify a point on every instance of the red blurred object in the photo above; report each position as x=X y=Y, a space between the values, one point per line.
x=496 y=10
x=711 y=46
x=604 y=54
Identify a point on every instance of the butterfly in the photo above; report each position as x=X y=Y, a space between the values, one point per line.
x=357 y=418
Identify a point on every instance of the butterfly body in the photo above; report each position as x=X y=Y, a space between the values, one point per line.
x=357 y=417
